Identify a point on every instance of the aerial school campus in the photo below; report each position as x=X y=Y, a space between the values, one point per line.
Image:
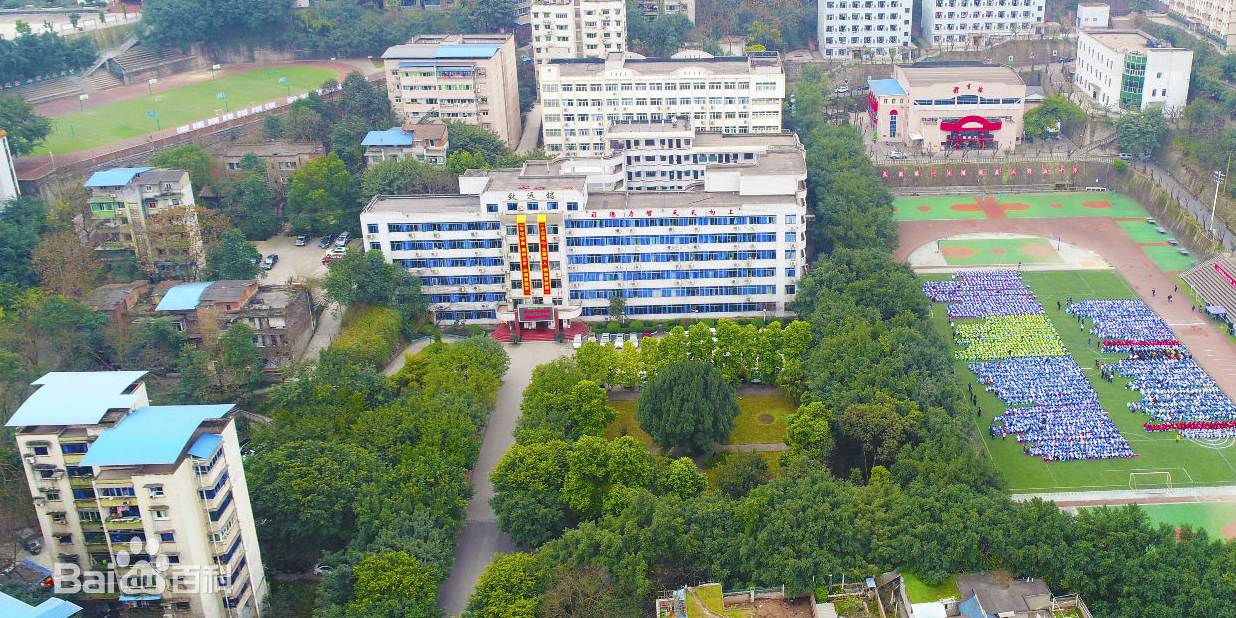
x=1097 y=376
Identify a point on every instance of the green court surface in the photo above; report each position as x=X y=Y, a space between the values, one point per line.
x=1216 y=518
x=1142 y=232
x=999 y=251
x=1188 y=462
x=1169 y=258
x=125 y=119
x=1016 y=206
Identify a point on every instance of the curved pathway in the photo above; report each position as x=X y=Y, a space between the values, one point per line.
x=1213 y=350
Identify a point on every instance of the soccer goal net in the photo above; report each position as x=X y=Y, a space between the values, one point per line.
x=1150 y=480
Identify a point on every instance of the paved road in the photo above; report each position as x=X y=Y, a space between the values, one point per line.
x=480 y=538
x=532 y=130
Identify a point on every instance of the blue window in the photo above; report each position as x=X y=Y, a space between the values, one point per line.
x=572 y=205
x=533 y=206
x=373 y=228
x=167 y=536
x=789 y=289
x=83 y=494
x=791 y=218
x=512 y=206
x=75 y=448
x=491 y=208
x=790 y=254
x=40 y=450
x=791 y=272
x=551 y=205
x=791 y=237
x=375 y=245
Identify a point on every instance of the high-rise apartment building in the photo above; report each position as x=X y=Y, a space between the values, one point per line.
x=1213 y=19
x=857 y=29
x=577 y=28
x=1131 y=70
x=978 y=23
x=149 y=212
x=468 y=78
x=153 y=498
x=682 y=224
x=582 y=98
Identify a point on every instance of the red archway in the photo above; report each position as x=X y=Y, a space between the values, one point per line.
x=971 y=132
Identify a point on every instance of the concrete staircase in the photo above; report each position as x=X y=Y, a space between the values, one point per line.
x=1210 y=283
x=40 y=92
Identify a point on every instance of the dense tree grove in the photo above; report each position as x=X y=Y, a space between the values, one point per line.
x=373 y=470
x=36 y=55
x=880 y=474
x=688 y=405
x=181 y=23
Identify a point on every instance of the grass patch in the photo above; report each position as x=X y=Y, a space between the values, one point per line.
x=709 y=466
x=1213 y=517
x=1189 y=463
x=711 y=597
x=625 y=424
x=1140 y=231
x=122 y=120
x=749 y=429
x=1000 y=251
x=1169 y=259
x=920 y=592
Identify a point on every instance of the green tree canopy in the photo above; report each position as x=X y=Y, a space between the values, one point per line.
x=190 y=158
x=322 y=197
x=367 y=278
x=21 y=223
x=233 y=258
x=26 y=129
x=239 y=356
x=1141 y=132
x=406 y=177
x=688 y=405
x=510 y=587
x=1053 y=116
x=250 y=202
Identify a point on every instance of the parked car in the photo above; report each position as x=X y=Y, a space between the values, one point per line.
x=321 y=569
x=1064 y=59
x=604 y=339
x=897 y=154
x=634 y=340
x=342 y=240
x=1124 y=156
x=326 y=240
x=577 y=342
x=302 y=240
x=841 y=89
x=334 y=254
x=270 y=261
x=30 y=540
x=618 y=342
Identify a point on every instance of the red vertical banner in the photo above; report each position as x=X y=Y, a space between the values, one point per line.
x=542 y=234
x=525 y=270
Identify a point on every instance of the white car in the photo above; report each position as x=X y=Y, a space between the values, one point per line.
x=634 y=340
x=604 y=339
x=578 y=341
x=841 y=89
x=618 y=342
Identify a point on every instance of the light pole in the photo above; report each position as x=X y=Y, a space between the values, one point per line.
x=284 y=81
x=150 y=85
x=154 y=114
x=222 y=96
x=1219 y=176
x=213 y=68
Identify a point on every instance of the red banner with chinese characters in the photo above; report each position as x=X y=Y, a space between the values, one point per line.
x=542 y=235
x=1225 y=275
x=525 y=270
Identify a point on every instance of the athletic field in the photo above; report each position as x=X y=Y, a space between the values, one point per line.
x=122 y=120
x=1005 y=251
x=1126 y=212
x=1189 y=463
x=1216 y=518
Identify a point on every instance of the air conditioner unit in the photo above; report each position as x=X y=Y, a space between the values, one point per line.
x=437 y=235
x=474 y=234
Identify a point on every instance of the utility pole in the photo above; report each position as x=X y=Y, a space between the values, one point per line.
x=1219 y=176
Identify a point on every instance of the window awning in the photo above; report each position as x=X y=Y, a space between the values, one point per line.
x=918 y=137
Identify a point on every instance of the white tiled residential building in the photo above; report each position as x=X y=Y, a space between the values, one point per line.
x=1215 y=19
x=154 y=497
x=653 y=9
x=582 y=98
x=978 y=23
x=1093 y=15
x=1129 y=69
x=864 y=28
x=577 y=28
x=681 y=224
x=470 y=78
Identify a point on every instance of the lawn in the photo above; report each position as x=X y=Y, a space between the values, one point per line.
x=1188 y=462
x=1168 y=258
x=999 y=251
x=111 y=123
x=749 y=427
x=1213 y=517
x=1017 y=206
x=920 y=592
x=762 y=420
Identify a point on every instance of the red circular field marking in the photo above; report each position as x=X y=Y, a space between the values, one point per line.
x=1055 y=205
x=998 y=251
x=895 y=209
x=1096 y=204
x=957 y=252
x=1229 y=531
x=924 y=208
x=1038 y=250
x=1014 y=206
x=966 y=207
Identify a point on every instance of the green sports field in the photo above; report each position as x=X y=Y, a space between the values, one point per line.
x=125 y=119
x=1016 y=206
x=999 y=251
x=1216 y=518
x=1190 y=463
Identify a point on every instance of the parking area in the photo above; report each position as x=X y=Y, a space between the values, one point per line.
x=295 y=263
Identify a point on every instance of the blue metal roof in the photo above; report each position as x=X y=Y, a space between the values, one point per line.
x=970 y=607
x=183 y=297
x=885 y=87
x=75 y=397
x=205 y=445
x=150 y=435
x=466 y=51
x=51 y=608
x=394 y=136
x=417 y=64
x=115 y=177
